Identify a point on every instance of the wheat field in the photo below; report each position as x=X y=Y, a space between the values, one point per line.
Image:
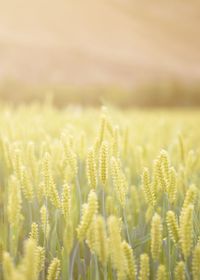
x=99 y=193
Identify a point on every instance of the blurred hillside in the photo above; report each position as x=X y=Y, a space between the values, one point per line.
x=128 y=44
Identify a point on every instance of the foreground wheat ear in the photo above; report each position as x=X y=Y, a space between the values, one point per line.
x=99 y=194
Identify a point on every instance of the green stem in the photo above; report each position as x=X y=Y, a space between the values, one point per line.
x=105 y=273
x=96 y=268
x=103 y=204
x=72 y=261
x=126 y=225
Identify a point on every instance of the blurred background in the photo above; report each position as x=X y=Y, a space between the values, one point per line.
x=124 y=52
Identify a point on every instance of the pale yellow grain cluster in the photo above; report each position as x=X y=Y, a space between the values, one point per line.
x=91 y=169
x=119 y=181
x=196 y=263
x=54 y=270
x=172 y=226
x=144 y=267
x=117 y=252
x=89 y=211
x=147 y=188
x=180 y=271
x=103 y=163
